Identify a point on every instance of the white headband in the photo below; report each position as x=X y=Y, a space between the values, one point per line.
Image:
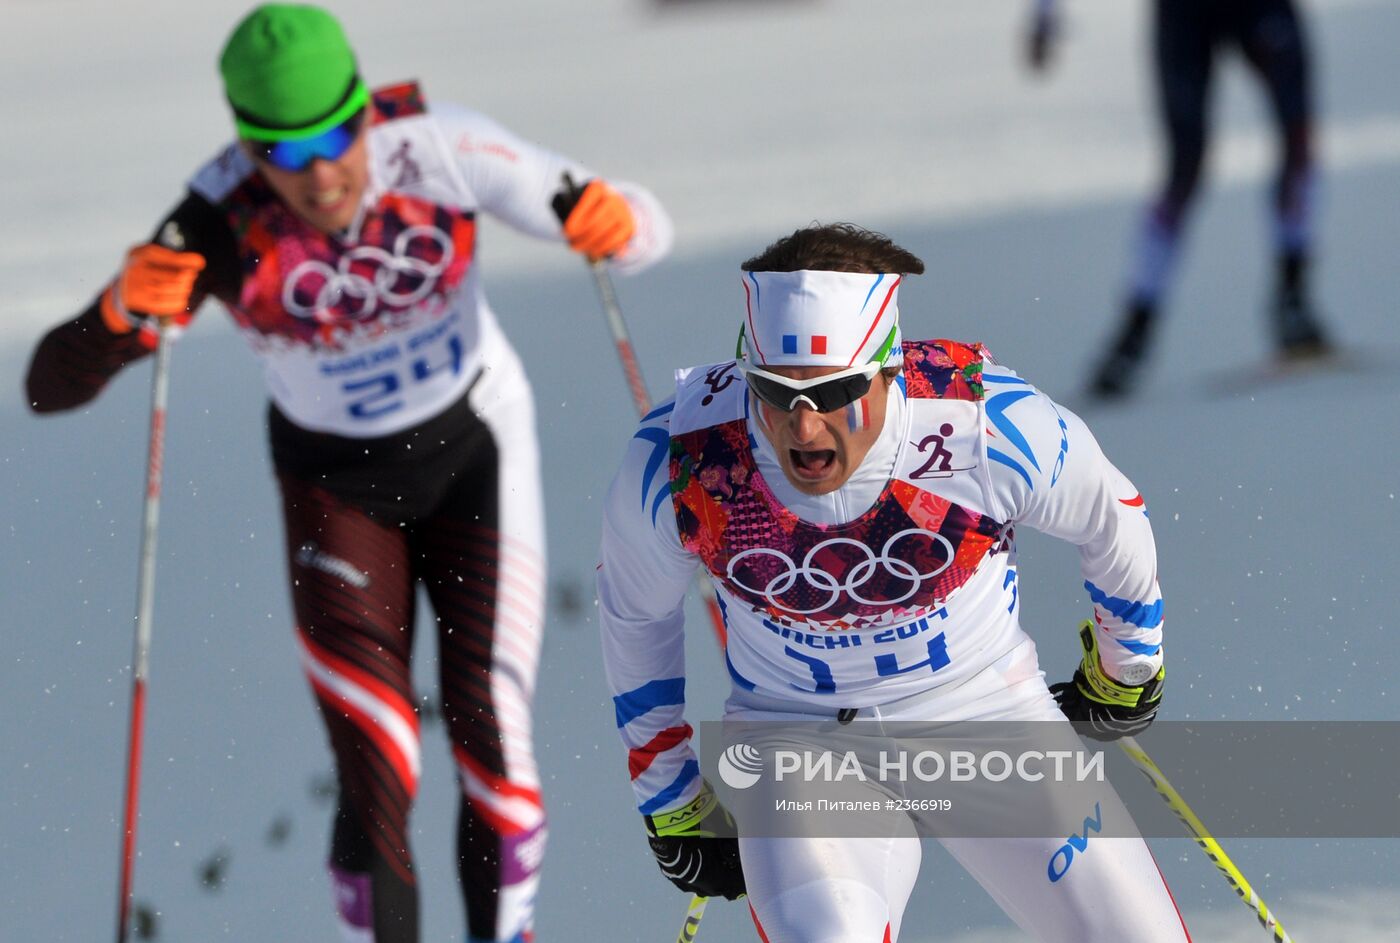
x=816 y=318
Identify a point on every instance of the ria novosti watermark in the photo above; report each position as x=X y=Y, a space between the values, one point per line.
x=740 y=766
x=1039 y=779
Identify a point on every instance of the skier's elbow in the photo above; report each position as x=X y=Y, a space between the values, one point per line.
x=40 y=408
x=44 y=397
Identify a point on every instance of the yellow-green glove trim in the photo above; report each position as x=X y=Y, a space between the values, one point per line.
x=686 y=819
x=1096 y=685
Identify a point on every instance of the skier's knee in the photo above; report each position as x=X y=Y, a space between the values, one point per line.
x=829 y=911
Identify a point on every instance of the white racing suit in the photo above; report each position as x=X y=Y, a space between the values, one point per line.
x=402 y=431
x=894 y=598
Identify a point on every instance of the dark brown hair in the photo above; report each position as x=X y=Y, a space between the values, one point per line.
x=835 y=247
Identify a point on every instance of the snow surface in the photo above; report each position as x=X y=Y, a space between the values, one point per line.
x=1274 y=505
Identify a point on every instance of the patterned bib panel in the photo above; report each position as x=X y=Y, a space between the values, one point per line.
x=901 y=559
x=303 y=286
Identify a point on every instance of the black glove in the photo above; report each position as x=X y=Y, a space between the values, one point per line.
x=568 y=196
x=697 y=848
x=1106 y=709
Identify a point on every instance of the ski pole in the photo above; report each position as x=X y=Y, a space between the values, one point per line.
x=145 y=598
x=562 y=204
x=1203 y=838
x=693 y=913
x=641 y=398
x=623 y=341
x=607 y=297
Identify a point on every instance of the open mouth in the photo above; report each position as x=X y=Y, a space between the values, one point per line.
x=327 y=199
x=812 y=464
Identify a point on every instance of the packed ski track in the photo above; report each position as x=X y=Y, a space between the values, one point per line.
x=1273 y=501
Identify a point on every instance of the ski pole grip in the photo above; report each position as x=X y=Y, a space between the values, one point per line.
x=567 y=198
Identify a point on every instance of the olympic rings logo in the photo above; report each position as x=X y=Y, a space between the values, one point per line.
x=399 y=279
x=856 y=578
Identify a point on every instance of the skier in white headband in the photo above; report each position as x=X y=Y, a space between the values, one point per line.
x=826 y=436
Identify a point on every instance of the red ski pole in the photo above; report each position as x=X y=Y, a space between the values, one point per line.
x=623 y=341
x=563 y=202
x=145 y=597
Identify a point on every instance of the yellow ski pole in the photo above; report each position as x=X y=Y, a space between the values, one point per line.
x=1203 y=838
x=693 y=913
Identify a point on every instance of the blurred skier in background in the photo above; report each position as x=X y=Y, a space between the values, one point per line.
x=339 y=230
x=1188 y=37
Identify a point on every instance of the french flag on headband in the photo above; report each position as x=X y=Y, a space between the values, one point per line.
x=812 y=344
x=817 y=318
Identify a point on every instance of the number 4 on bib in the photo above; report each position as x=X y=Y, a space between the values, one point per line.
x=888 y=663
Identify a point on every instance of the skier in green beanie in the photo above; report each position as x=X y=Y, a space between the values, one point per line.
x=339 y=230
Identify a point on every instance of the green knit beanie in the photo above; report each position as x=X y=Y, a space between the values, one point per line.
x=289 y=73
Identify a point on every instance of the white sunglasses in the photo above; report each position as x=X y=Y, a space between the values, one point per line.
x=825 y=394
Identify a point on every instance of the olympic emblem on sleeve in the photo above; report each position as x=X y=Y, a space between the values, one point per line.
x=367 y=276
x=873 y=580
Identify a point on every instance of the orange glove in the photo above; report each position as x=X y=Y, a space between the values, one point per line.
x=597 y=220
x=155 y=282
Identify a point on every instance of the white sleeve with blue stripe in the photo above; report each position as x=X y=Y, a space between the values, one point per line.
x=643 y=576
x=1049 y=473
